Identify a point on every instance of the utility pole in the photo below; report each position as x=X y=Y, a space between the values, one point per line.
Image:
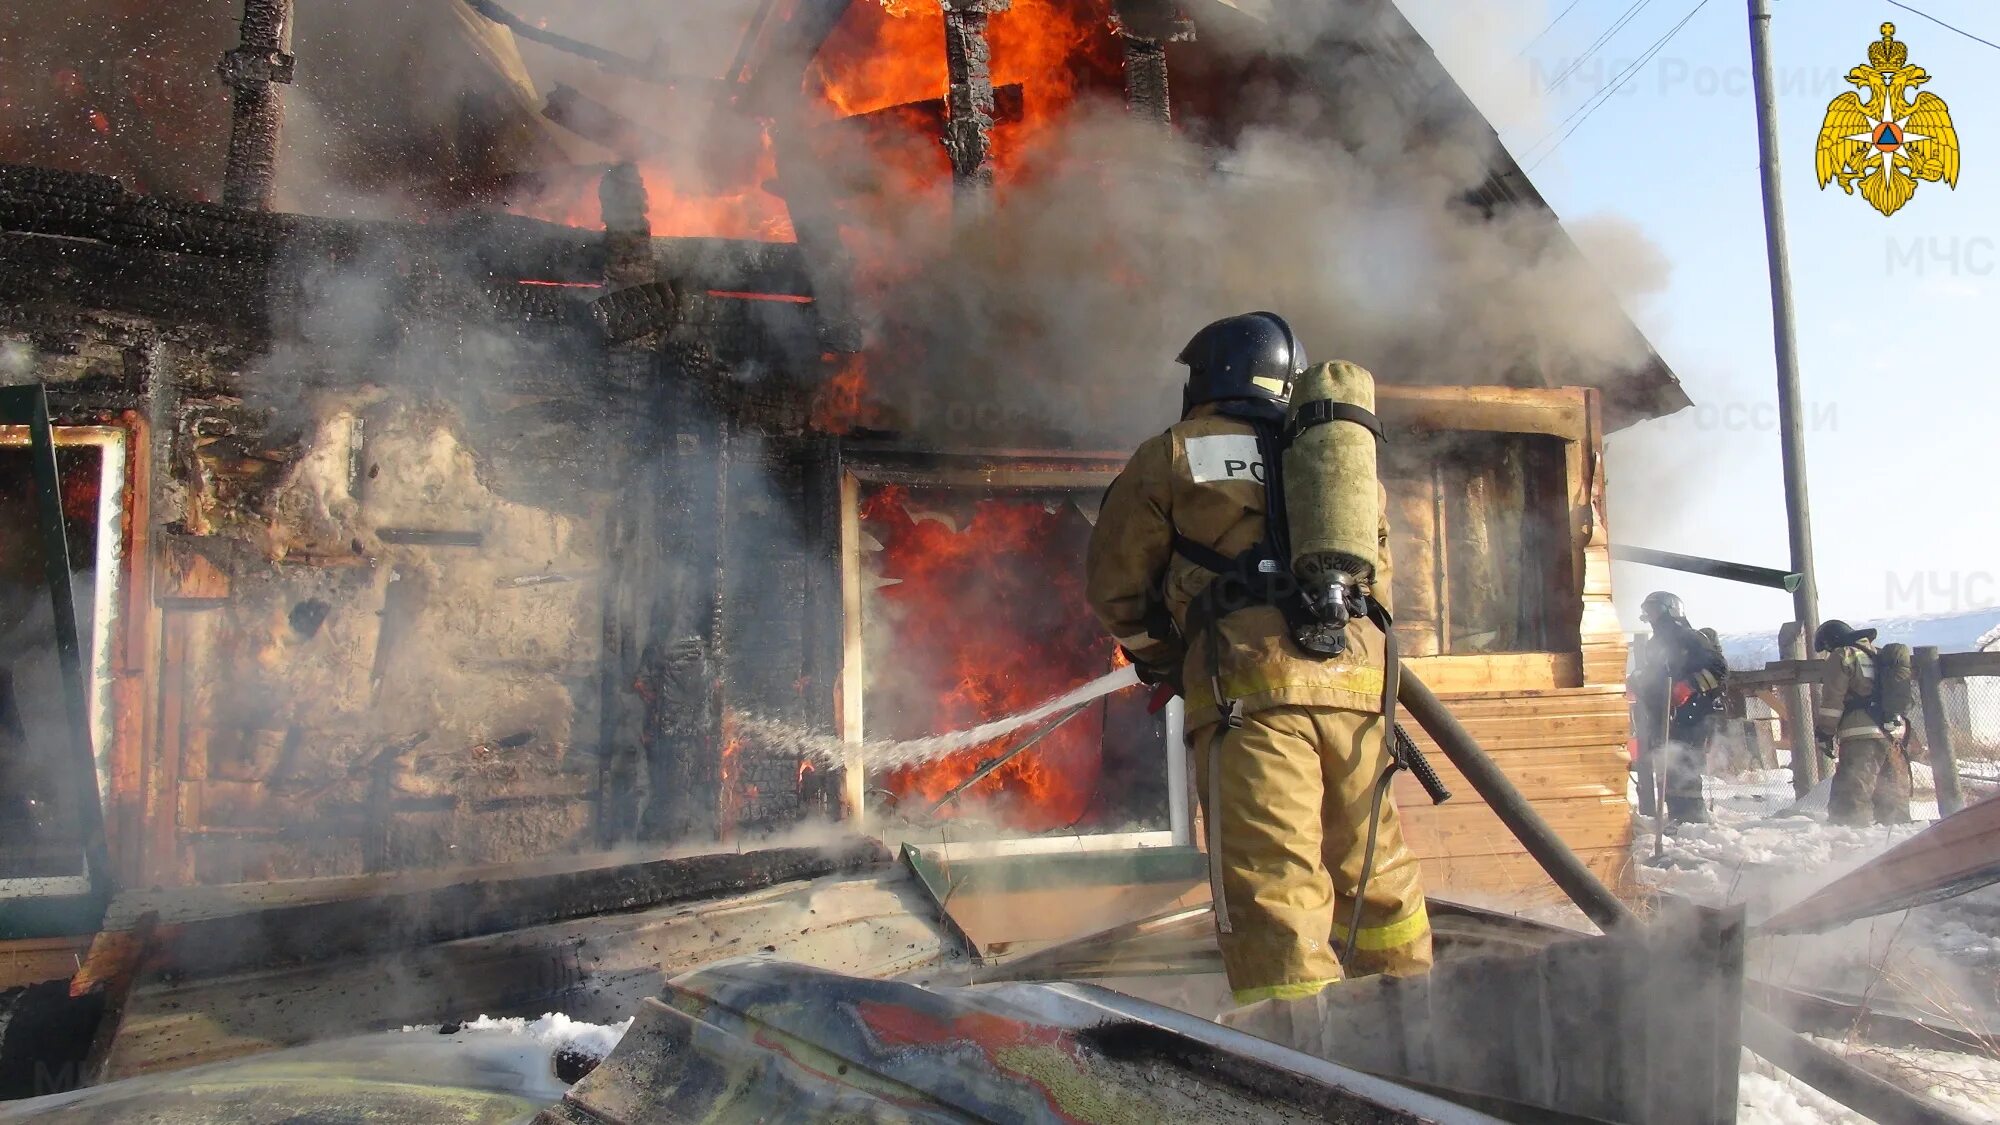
x=1805 y=599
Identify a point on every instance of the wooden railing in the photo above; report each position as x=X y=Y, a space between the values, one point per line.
x=1783 y=677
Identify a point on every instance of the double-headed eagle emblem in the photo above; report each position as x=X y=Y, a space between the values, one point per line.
x=1888 y=141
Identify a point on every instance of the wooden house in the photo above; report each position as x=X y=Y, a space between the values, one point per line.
x=431 y=545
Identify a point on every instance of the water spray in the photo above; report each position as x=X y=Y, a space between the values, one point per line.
x=773 y=734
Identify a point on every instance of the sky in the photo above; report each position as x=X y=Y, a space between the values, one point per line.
x=1896 y=315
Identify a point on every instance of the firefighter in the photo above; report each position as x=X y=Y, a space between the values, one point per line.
x=1872 y=774
x=1288 y=746
x=1682 y=670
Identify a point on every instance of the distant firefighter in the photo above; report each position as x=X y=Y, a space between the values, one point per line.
x=1864 y=700
x=1677 y=690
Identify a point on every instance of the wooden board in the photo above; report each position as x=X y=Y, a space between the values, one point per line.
x=594 y=969
x=1565 y=751
x=1001 y=922
x=35 y=960
x=1510 y=671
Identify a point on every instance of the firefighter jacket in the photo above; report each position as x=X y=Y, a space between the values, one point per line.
x=1691 y=666
x=1847 y=694
x=1204 y=480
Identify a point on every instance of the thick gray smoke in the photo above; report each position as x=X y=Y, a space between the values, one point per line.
x=1060 y=309
x=1370 y=254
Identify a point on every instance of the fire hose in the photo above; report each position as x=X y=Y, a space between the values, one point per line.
x=1403 y=754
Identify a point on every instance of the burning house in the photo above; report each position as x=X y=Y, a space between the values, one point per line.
x=475 y=447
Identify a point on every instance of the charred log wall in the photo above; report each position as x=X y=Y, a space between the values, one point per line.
x=417 y=545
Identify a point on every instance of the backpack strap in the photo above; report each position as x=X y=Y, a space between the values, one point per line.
x=1321 y=411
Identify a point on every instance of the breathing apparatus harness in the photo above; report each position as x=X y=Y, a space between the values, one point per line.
x=1317 y=618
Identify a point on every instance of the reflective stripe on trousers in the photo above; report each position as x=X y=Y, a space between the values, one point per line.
x=1287 y=797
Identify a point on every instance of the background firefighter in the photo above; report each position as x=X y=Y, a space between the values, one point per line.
x=1690 y=665
x=1872 y=776
x=1288 y=745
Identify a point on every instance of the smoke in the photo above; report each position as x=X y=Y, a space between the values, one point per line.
x=1067 y=300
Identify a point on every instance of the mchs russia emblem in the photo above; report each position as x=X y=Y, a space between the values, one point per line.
x=1882 y=139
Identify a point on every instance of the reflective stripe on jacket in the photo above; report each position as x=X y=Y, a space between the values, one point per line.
x=1203 y=478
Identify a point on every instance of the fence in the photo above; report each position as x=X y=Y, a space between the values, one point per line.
x=1955 y=726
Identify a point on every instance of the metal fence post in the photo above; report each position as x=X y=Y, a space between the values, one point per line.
x=1937 y=729
x=1799 y=713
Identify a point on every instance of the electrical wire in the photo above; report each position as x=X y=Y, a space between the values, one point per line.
x=1946 y=26
x=1590 y=108
x=1546 y=30
x=1590 y=52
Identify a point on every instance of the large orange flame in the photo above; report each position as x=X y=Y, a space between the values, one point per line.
x=882 y=55
x=984 y=620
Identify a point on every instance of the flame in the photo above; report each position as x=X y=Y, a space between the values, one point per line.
x=680 y=206
x=880 y=56
x=734 y=797
x=841 y=402
x=892 y=53
x=984 y=620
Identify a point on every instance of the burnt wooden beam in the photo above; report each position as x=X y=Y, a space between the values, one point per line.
x=628 y=233
x=1009 y=106
x=969 y=101
x=253 y=71
x=636 y=311
x=506 y=248
x=1146 y=27
x=321 y=932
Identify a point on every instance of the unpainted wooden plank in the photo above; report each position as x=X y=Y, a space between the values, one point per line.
x=34 y=960
x=1559 y=411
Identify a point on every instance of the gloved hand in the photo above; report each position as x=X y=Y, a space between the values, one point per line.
x=1165 y=679
x=1828 y=748
x=1162 y=673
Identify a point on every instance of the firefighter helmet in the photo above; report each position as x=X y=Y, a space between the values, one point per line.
x=1251 y=357
x=1832 y=634
x=1659 y=604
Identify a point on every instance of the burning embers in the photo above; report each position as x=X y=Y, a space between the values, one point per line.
x=979 y=612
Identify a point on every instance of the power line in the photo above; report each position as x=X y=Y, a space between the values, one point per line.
x=1590 y=104
x=1591 y=51
x=1946 y=26
x=1546 y=30
x=1629 y=73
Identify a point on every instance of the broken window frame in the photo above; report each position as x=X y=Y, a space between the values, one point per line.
x=45 y=906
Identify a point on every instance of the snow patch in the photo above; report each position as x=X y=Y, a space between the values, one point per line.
x=553 y=1029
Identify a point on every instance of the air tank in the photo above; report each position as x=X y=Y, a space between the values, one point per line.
x=1331 y=499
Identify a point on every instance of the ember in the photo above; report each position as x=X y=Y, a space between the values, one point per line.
x=985 y=618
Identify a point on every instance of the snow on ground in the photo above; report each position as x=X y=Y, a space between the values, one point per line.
x=1767 y=851
x=1969 y=1084
x=553 y=1029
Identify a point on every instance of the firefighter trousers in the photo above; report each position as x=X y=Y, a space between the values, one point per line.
x=1286 y=798
x=1872 y=779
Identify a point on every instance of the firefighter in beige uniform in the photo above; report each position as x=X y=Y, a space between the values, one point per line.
x=1294 y=770
x=1872 y=777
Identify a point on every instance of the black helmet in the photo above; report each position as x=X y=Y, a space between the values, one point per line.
x=1832 y=634
x=1254 y=356
x=1660 y=604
